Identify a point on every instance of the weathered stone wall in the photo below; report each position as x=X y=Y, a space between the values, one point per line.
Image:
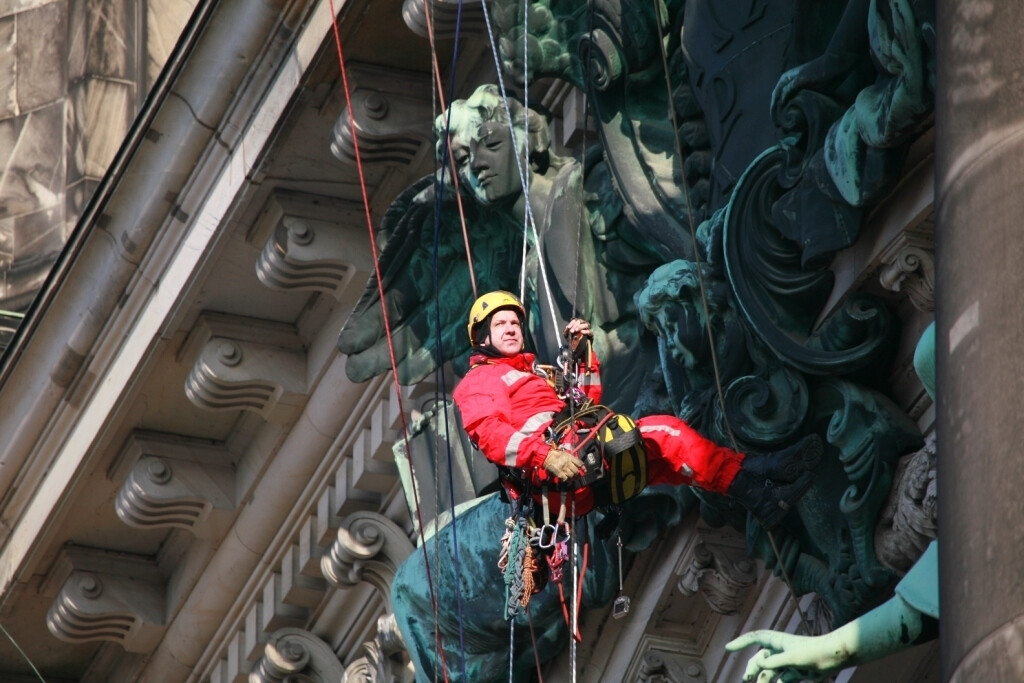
x=73 y=75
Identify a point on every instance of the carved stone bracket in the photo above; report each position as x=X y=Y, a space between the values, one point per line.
x=909 y=266
x=310 y=242
x=667 y=667
x=392 y=119
x=174 y=485
x=385 y=660
x=107 y=596
x=369 y=548
x=443 y=14
x=295 y=655
x=249 y=365
x=723 y=578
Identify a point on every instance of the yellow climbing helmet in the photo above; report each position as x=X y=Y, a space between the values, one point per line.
x=489 y=303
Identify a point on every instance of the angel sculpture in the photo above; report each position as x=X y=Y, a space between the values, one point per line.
x=579 y=256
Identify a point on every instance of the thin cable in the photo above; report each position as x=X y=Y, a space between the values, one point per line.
x=526 y=148
x=583 y=158
x=575 y=584
x=440 y=357
x=384 y=311
x=533 y=639
x=704 y=297
x=511 y=648
x=447 y=432
x=22 y=653
x=785 y=577
x=438 y=92
x=435 y=95
x=522 y=171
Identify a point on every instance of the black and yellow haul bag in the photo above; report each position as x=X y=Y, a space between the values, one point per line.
x=624 y=456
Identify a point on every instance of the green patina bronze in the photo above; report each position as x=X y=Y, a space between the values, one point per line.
x=894 y=625
x=772 y=129
x=575 y=210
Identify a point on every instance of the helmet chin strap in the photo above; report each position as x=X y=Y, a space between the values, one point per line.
x=490 y=351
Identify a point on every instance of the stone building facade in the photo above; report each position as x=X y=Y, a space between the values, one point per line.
x=191 y=487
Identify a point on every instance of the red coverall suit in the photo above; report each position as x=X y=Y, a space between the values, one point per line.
x=506 y=406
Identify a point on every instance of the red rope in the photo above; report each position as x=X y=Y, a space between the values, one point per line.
x=579 y=597
x=579 y=590
x=533 y=639
x=384 y=311
x=429 y=13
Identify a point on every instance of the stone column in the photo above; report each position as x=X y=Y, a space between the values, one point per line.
x=980 y=337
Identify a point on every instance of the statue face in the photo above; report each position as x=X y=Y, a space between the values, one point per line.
x=487 y=163
x=681 y=326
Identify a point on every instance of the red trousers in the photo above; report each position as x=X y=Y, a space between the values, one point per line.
x=677 y=454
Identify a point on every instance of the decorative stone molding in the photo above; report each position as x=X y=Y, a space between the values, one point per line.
x=723 y=578
x=369 y=547
x=107 y=596
x=667 y=667
x=908 y=265
x=310 y=242
x=293 y=655
x=443 y=14
x=385 y=660
x=176 y=483
x=249 y=365
x=392 y=119
x=909 y=520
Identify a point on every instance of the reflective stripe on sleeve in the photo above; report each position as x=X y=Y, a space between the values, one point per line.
x=660 y=428
x=529 y=428
x=513 y=376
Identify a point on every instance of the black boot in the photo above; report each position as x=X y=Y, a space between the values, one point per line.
x=788 y=464
x=767 y=500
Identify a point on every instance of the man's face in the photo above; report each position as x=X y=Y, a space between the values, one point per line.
x=488 y=163
x=506 y=334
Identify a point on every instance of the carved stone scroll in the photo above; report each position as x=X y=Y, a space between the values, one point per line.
x=310 y=242
x=385 y=660
x=108 y=596
x=392 y=120
x=164 y=491
x=723 y=579
x=909 y=266
x=369 y=548
x=296 y=656
x=443 y=16
x=174 y=480
x=666 y=667
x=248 y=365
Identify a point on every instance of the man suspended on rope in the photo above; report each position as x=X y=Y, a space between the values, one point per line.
x=511 y=410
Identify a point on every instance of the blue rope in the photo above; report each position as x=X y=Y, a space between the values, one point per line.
x=440 y=357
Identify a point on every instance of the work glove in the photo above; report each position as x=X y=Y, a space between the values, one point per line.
x=563 y=464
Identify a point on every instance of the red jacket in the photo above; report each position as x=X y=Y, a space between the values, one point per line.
x=506 y=406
